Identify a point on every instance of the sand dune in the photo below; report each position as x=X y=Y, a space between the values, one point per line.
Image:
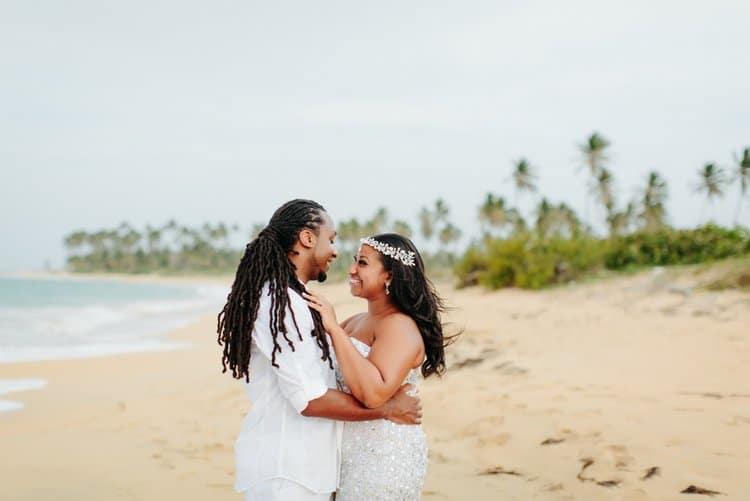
x=629 y=388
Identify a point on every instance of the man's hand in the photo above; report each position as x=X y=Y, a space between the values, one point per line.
x=402 y=408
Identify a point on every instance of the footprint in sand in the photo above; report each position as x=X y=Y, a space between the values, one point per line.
x=486 y=430
x=510 y=368
x=651 y=472
x=620 y=456
x=467 y=362
x=588 y=462
x=552 y=441
x=483 y=426
x=694 y=489
x=739 y=420
x=498 y=439
x=554 y=487
x=499 y=470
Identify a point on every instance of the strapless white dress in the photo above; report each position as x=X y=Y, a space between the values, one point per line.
x=381 y=460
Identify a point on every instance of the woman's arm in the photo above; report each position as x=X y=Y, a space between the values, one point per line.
x=401 y=408
x=375 y=379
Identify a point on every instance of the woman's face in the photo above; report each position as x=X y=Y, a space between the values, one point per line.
x=367 y=276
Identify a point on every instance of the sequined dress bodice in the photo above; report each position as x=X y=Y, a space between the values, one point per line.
x=381 y=460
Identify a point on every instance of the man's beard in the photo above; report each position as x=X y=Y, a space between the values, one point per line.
x=322 y=276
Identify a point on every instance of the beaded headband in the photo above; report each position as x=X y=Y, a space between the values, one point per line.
x=406 y=257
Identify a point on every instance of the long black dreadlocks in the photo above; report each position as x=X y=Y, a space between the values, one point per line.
x=266 y=261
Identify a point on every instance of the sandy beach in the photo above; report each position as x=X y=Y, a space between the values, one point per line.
x=630 y=388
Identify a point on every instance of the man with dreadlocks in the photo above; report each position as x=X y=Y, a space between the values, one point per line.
x=285 y=451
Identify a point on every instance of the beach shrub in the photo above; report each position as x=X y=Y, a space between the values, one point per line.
x=670 y=246
x=528 y=262
x=531 y=262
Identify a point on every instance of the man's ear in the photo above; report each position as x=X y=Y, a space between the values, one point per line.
x=307 y=238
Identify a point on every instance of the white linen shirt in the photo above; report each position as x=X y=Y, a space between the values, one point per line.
x=276 y=441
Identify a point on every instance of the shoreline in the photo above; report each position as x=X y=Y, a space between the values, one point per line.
x=151 y=315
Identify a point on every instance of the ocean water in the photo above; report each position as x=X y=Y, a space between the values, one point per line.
x=13 y=385
x=52 y=319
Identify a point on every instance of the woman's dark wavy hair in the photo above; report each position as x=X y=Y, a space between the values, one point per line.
x=413 y=294
x=266 y=261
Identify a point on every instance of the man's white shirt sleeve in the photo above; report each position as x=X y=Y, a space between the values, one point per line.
x=297 y=382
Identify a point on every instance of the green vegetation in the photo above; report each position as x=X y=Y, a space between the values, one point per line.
x=169 y=249
x=552 y=245
x=435 y=228
x=527 y=261
x=669 y=246
x=559 y=246
x=176 y=249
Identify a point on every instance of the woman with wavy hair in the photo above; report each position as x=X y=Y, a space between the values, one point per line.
x=376 y=353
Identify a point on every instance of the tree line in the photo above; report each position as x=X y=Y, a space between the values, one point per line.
x=209 y=248
x=170 y=247
x=555 y=245
x=646 y=211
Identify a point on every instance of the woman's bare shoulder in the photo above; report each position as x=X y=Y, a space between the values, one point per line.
x=398 y=323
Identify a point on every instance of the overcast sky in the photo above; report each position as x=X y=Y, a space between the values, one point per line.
x=221 y=111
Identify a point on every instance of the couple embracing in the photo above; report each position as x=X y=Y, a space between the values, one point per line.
x=333 y=407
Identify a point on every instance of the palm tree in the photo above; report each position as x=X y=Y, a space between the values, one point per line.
x=350 y=231
x=441 y=210
x=712 y=181
x=594 y=157
x=523 y=177
x=556 y=220
x=377 y=222
x=544 y=217
x=569 y=221
x=426 y=223
x=449 y=234
x=153 y=235
x=654 y=195
x=602 y=189
x=170 y=228
x=593 y=153
x=402 y=228
x=516 y=220
x=75 y=240
x=619 y=222
x=493 y=213
x=742 y=175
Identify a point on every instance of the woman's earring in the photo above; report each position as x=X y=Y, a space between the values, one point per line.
x=387 y=290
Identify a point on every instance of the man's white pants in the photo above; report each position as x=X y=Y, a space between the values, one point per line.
x=279 y=489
